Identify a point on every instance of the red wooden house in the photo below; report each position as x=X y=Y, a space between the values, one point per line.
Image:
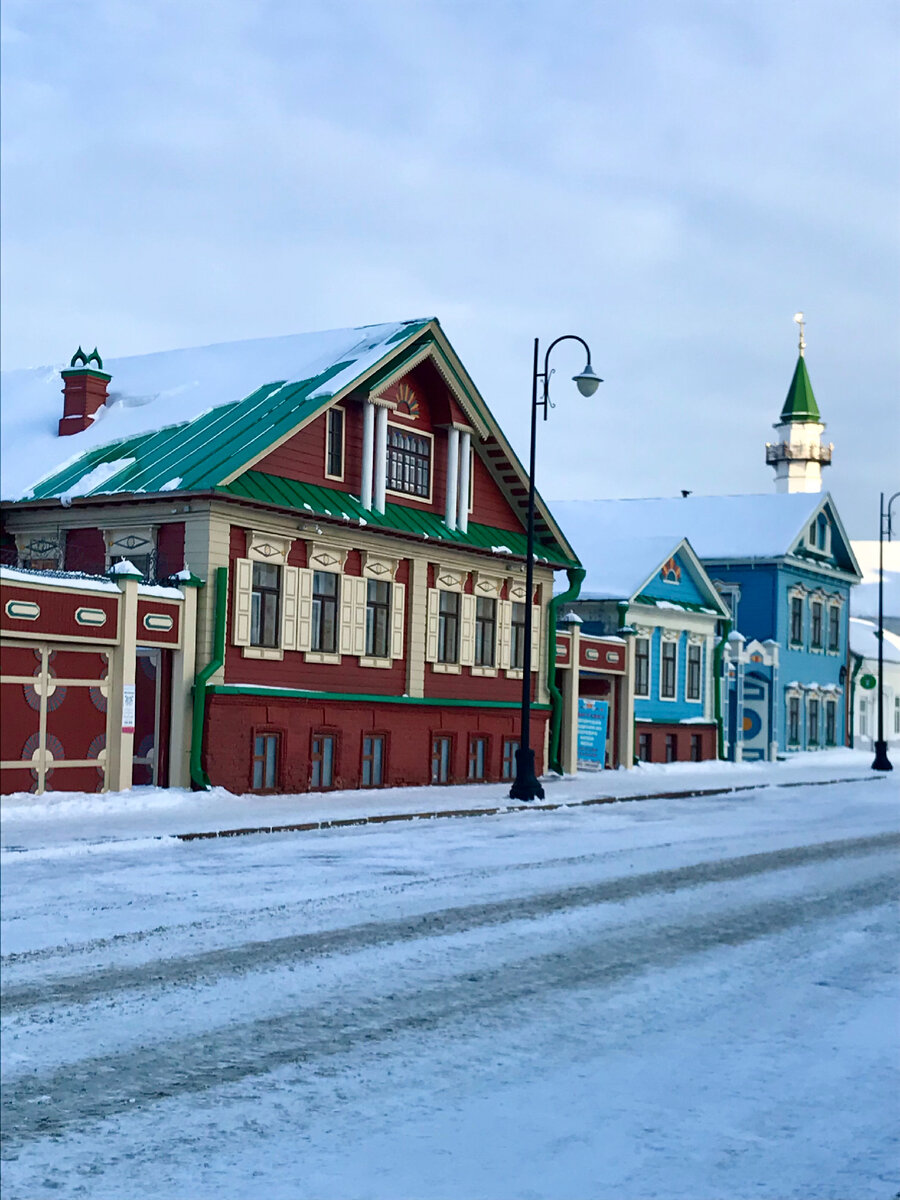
x=357 y=516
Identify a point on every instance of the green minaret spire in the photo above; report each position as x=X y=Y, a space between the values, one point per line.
x=800 y=403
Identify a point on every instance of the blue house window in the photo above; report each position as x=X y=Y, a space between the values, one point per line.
x=794 y=720
x=812 y=732
x=817 y=609
x=834 y=627
x=694 y=677
x=830 y=722
x=668 y=672
x=642 y=667
x=796 y=620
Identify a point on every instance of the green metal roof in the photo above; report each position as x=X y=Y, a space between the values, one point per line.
x=800 y=404
x=200 y=453
x=317 y=501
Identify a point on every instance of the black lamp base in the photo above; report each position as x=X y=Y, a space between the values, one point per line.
x=882 y=762
x=526 y=785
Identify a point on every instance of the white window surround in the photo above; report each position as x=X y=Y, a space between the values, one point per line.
x=668 y=637
x=644 y=635
x=832 y=602
x=694 y=639
x=446 y=579
x=336 y=408
x=409 y=496
x=797 y=592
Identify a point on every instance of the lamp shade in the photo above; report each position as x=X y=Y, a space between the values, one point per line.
x=588 y=380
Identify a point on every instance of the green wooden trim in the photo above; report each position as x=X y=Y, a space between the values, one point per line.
x=253 y=689
x=198 y=775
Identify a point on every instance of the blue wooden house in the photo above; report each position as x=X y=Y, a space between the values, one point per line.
x=783 y=567
x=654 y=589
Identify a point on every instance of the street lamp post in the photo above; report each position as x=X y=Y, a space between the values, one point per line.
x=526 y=785
x=882 y=762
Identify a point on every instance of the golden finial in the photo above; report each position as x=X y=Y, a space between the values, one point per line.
x=801 y=321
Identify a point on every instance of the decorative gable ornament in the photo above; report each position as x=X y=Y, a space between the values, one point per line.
x=671 y=571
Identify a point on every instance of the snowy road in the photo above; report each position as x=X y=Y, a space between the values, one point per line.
x=673 y=999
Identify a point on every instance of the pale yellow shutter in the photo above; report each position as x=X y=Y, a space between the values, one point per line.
x=304 y=609
x=347 y=608
x=360 y=588
x=289 y=595
x=431 y=625
x=467 y=632
x=535 y=637
x=243 y=602
x=504 y=634
x=398 y=613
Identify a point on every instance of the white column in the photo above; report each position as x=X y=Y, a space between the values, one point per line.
x=462 y=512
x=380 y=457
x=452 y=477
x=368 y=447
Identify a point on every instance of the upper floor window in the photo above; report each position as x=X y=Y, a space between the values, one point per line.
x=642 y=667
x=834 y=627
x=517 y=637
x=669 y=668
x=265 y=604
x=822 y=532
x=325 y=594
x=448 y=627
x=334 y=450
x=378 y=618
x=796 y=620
x=485 y=631
x=408 y=463
x=694 y=677
x=817 y=609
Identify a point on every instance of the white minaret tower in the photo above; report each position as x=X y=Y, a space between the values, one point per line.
x=799 y=456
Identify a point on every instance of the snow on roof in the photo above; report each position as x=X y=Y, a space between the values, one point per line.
x=152 y=391
x=718 y=527
x=84 y=583
x=864 y=640
x=616 y=567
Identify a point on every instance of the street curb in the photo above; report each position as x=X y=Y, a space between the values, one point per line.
x=386 y=818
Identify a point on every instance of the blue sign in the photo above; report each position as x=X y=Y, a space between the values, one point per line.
x=593 y=719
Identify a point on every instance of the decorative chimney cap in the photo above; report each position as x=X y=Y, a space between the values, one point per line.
x=81 y=359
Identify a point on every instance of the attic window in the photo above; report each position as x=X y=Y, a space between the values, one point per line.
x=408 y=463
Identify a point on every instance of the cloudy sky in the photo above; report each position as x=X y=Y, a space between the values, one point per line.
x=671 y=179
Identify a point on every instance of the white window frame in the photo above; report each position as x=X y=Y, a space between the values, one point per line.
x=797 y=593
x=336 y=408
x=409 y=496
x=832 y=603
x=272 y=548
x=822 y=599
x=648 y=638
x=698 y=646
x=788 y=697
x=667 y=639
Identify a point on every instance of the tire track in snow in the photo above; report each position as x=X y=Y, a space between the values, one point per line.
x=206 y=966
x=36 y=1106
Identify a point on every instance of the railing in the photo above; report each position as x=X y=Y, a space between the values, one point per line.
x=777 y=452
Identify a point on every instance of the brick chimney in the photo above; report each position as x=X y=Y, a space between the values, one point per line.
x=84 y=391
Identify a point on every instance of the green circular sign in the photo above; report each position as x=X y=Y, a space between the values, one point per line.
x=868 y=682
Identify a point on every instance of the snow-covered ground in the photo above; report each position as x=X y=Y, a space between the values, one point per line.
x=72 y=821
x=683 y=998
